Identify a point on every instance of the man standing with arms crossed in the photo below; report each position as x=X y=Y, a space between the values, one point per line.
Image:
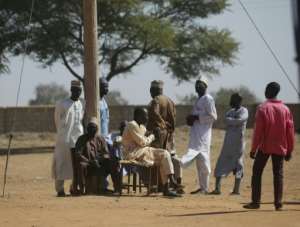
x=273 y=136
x=231 y=158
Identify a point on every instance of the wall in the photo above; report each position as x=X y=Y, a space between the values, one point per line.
x=40 y=119
x=27 y=119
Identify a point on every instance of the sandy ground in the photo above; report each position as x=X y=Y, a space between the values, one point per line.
x=30 y=198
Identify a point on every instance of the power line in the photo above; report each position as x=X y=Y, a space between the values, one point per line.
x=264 y=2
x=24 y=55
x=269 y=48
x=17 y=99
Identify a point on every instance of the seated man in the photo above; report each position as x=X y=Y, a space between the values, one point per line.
x=114 y=141
x=136 y=147
x=95 y=161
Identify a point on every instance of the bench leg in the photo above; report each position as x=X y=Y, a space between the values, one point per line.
x=140 y=183
x=157 y=178
x=128 y=180
x=150 y=181
x=121 y=180
x=134 y=181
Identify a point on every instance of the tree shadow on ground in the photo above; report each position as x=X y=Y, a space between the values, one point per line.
x=209 y=213
x=228 y=212
x=291 y=203
x=284 y=203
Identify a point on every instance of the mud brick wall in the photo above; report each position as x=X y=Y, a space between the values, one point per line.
x=40 y=118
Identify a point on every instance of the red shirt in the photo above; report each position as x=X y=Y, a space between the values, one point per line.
x=274 y=128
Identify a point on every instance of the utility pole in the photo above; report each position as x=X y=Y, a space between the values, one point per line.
x=296 y=19
x=91 y=71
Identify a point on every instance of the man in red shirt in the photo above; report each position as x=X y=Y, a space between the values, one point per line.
x=273 y=136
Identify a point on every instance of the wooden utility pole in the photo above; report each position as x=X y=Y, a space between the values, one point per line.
x=296 y=18
x=91 y=71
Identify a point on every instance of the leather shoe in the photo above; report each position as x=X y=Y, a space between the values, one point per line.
x=252 y=206
x=199 y=191
x=61 y=194
x=171 y=194
x=215 y=192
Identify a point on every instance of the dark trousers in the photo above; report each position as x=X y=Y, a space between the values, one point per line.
x=95 y=176
x=258 y=168
x=77 y=181
x=111 y=167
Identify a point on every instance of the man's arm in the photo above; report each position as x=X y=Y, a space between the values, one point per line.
x=258 y=134
x=103 y=148
x=83 y=114
x=171 y=116
x=139 y=138
x=79 y=146
x=241 y=119
x=211 y=112
x=290 y=135
x=154 y=114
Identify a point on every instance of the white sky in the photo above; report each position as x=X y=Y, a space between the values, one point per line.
x=255 y=66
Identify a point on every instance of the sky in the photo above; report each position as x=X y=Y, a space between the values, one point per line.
x=254 y=68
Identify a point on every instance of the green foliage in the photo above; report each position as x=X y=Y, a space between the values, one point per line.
x=222 y=97
x=114 y=98
x=129 y=31
x=187 y=99
x=48 y=94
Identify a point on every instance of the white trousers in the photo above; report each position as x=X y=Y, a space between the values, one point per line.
x=202 y=163
x=177 y=167
x=163 y=160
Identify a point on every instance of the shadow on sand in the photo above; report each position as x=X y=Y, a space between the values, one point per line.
x=236 y=211
x=284 y=203
x=209 y=213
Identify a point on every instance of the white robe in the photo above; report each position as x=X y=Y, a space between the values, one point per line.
x=68 y=121
x=200 y=138
x=231 y=155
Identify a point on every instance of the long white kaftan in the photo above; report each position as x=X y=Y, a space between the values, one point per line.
x=200 y=138
x=231 y=156
x=68 y=120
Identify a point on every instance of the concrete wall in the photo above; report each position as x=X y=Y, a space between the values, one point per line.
x=27 y=119
x=40 y=119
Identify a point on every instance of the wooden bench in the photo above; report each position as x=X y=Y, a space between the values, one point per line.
x=133 y=169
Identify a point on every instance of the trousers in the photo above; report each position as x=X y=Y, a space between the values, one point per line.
x=257 y=171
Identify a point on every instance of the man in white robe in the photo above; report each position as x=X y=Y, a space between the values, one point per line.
x=201 y=120
x=231 y=157
x=68 y=121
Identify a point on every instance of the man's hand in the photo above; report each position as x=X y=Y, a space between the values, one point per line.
x=148 y=133
x=94 y=164
x=190 y=119
x=156 y=132
x=288 y=157
x=252 y=154
x=106 y=156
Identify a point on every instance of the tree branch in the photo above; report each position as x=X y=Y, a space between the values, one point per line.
x=66 y=63
x=116 y=71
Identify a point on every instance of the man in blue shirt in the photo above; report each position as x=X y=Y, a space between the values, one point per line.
x=104 y=114
x=104 y=111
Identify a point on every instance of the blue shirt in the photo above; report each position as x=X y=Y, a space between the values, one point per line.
x=115 y=151
x=104 y=117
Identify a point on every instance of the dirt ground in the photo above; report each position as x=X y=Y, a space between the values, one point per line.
x=30 y=198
